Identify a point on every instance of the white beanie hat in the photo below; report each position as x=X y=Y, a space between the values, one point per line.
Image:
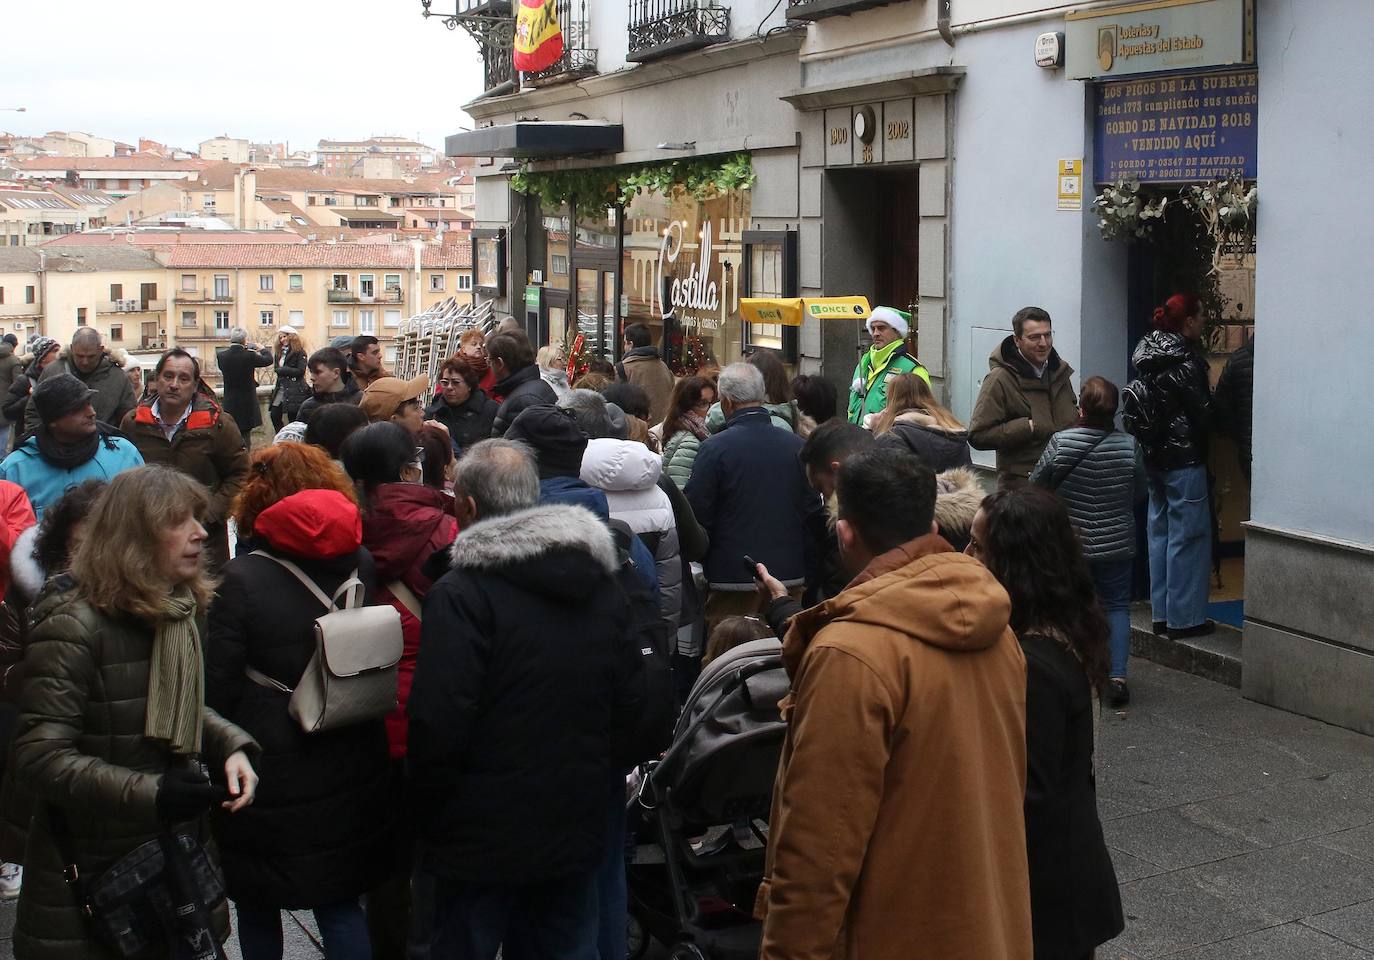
x=896 y=319
x=286 y=329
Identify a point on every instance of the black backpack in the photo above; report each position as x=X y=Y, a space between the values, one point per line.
x=652 y=637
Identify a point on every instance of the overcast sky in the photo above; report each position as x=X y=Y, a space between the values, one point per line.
x=264 y=70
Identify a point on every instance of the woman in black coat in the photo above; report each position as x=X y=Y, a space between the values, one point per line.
x=291 y=389
x=16 y=403
x=321 y=833
x=462 y=406
x=1026 y=539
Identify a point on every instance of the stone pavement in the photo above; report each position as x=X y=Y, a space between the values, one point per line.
x=1238 y=831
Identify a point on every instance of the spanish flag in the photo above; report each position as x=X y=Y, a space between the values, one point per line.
x=538 y=38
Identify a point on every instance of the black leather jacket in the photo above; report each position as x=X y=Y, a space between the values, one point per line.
x=1174 y=371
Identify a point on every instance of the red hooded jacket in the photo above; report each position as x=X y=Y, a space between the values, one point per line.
x=405 y=523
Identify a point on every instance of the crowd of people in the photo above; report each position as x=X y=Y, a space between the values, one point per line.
x=395 y=666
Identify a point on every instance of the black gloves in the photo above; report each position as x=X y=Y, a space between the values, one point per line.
x=186 y=793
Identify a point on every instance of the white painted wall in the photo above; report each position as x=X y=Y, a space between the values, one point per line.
x=1314 y=445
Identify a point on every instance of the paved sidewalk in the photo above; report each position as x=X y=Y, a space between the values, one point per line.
x=1238 y=831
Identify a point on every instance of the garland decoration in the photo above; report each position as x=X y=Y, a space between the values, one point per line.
x=596 y=188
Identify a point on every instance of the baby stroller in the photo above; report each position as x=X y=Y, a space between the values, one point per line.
x=701 y=813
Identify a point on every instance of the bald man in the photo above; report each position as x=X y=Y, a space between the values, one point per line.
x=87 y=360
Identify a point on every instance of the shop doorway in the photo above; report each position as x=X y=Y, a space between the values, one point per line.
x=596 y=313
x=1181 y=261
x=872 y=226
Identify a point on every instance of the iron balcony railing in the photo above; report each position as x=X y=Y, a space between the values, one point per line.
x=820 y=9
x=578 y=59
x=659 y=28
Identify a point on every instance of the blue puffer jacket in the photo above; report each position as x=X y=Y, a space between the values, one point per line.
x=1101 y=491
x=574 y=492
x=749 y=491
x=45 y=484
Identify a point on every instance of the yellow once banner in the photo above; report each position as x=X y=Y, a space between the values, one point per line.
x=785 y=311
x=789 y=311
x=538 y=38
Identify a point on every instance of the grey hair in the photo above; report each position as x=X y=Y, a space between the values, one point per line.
x=589 y=410
x=500 y=476
x=86 y=336
x=741 y=383
x=238 y=335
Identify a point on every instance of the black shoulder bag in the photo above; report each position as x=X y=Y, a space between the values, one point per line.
x=1059 y=481
x=155 y=901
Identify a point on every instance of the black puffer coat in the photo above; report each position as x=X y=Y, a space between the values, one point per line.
x=526 y=673
x=938 y=449
x=523 y=388
x=1174 y=374
x=321 y=828
x=469 y=422
x=1234 y=401
x=291 y=389
x=80 y=744
x=1100 y=486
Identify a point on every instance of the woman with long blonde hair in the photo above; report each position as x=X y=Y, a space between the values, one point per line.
x=291 y=390
x=113 y=722
x=914 y=419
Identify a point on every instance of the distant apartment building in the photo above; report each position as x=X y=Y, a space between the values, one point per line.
x=324 y=290
x=225 y=149
x=115 y=289
x=192 y=294
x=348 y=158
x=31 y=216
x=74 y=143
x=117 y=176
x=270 y=153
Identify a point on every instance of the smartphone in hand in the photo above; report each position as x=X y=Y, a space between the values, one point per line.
x=753 y=567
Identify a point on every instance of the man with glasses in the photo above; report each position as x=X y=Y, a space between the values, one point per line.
x=1026 y=398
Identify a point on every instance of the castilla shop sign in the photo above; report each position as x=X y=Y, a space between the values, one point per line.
x=1157 y=36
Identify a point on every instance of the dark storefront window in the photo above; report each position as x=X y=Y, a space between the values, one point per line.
x=770 y=270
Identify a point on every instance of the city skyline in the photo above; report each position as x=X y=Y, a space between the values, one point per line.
x=300 y=98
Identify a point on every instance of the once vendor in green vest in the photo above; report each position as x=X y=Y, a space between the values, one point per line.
x=886 y=358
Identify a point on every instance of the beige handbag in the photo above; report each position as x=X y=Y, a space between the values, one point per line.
x=352 y=676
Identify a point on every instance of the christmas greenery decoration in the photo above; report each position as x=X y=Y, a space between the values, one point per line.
x=594 y=189
x=1125 y=212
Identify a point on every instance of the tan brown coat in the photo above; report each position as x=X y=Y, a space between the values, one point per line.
x=897 y=830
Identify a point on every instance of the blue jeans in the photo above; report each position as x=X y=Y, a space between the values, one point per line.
x=343 y=927
x=1180 y=537
x=1113 y=581
x=549 y=920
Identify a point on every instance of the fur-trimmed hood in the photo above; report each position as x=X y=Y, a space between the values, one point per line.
x=519 y=539
x=958 y=495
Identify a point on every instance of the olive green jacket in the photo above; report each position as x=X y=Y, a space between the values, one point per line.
x=80 y=745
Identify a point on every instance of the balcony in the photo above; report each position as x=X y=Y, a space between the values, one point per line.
x=578 y=59
x=131 y=305
x=389 y=295
x=661 y=28
x=204 y=295
x=807 y=10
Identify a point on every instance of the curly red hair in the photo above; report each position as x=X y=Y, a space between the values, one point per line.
x=278 y=471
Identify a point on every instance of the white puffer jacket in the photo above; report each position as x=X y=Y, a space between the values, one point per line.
x=628 y=473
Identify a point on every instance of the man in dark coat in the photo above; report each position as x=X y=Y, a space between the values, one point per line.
x=87 y=360
x=1233 y=403
x=526 y=672
x=330 y=382
x=517 y=378
x=237 y=364
x=1026 y=398
x=749 y=490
